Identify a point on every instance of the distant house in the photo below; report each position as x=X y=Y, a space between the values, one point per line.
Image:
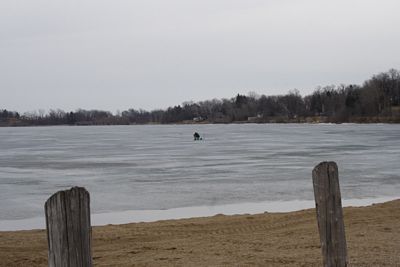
x=198 y=119
x=256 y=118
x=84 y=123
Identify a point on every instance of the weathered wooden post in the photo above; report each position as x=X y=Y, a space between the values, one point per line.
x=68 y=228
x=329 y=214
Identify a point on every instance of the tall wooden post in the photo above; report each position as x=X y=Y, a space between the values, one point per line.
x=68 y=228
x=329 y=214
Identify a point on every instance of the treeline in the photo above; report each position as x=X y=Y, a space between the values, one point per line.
x=377 y=100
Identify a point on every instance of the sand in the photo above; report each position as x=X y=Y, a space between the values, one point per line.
x=269 y=239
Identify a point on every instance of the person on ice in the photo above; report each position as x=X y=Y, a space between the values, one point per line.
x=196 y=136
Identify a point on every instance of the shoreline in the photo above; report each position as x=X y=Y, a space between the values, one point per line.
x=268 y=239
x=139 y=216
x=358 y=122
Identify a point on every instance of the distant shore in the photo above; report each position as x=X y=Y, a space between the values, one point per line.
x=377 y=100
x=272 y=120
x=269 y=239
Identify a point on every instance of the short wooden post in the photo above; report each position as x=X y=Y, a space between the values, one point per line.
x=329 y=214
x=68 y=228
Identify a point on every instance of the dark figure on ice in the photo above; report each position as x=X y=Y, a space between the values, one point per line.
x=196 y=136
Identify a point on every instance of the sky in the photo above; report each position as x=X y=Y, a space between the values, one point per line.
x=120 y=54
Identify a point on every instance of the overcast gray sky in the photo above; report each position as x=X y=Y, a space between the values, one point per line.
x=120 y=54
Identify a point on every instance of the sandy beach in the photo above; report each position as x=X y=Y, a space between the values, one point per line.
x=269 y=239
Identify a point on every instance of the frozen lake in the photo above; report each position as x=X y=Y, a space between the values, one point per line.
x=160 y=167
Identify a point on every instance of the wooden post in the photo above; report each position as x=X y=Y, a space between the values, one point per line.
x=68 y=228
x=329 y=214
